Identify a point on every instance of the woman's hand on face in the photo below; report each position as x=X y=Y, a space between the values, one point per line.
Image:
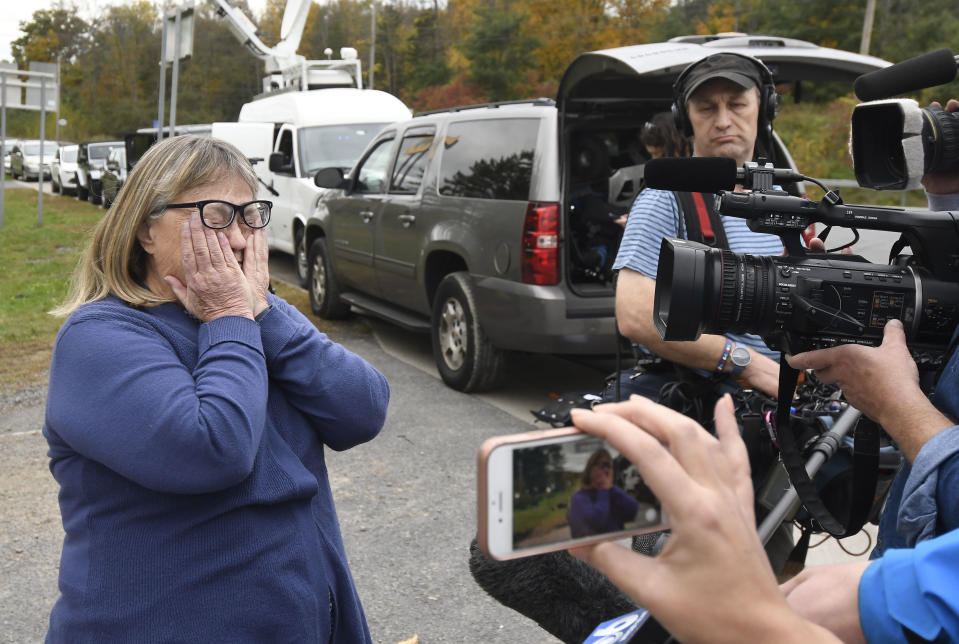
x=256 y=269
x=215 y=283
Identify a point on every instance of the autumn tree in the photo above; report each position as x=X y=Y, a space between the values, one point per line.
x=52 y=33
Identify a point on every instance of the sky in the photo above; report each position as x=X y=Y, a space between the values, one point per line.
x=16 y=11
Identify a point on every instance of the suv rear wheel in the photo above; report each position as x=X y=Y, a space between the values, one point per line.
x=324 y=291
x=466 y=359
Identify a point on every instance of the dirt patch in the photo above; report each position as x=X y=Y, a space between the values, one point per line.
x=24 y=364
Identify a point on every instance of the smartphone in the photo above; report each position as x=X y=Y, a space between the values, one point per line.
x=557 y=488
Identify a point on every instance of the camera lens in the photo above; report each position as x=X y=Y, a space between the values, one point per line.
x=746 y=300
x=717 y=291
x=940 y=134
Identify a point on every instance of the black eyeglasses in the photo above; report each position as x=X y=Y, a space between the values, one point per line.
x=218 y=214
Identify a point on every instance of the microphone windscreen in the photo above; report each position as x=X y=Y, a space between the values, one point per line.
x=691 y=174
x=928 y=70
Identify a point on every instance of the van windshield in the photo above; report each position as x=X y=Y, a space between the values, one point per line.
x=33 y=149
x=334 y=145
x=68 y=154
x=99 y=151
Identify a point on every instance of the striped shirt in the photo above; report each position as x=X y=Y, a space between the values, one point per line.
x=655 y=214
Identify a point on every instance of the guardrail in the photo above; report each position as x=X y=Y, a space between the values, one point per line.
x=851 y=183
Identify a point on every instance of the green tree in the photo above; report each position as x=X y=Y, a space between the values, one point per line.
x=497 y=49
x=221 y=75
x=426 y=53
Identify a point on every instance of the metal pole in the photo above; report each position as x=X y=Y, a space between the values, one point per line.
x=176 y=70
x=43 y=118
x=3 y=141
x=866 y=39
x=58 y=101
x=162 y=104
x=789 y=503
x=372 y=41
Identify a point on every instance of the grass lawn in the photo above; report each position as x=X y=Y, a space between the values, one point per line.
x=35 y=266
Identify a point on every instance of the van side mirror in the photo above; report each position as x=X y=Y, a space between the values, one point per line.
x=281 y=163
x=330 y=178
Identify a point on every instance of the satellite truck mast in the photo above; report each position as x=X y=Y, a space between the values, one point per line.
x=285 y=69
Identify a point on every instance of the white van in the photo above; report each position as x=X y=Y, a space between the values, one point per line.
x=291 y=135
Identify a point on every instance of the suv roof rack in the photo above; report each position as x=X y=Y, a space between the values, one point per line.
x=523 y=101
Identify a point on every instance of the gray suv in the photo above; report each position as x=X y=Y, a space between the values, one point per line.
x=492 y=227
x=450 y=223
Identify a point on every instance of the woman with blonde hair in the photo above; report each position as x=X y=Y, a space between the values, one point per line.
x=188 y=416
x=599 y=506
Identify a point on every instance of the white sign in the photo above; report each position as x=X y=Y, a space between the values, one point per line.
x=186 y=34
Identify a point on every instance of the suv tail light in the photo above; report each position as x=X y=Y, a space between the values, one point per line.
x=540 y=263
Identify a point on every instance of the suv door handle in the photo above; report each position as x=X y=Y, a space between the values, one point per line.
x=366 y=216
x=407 y=219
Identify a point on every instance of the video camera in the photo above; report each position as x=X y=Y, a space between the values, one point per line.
x=803 y=301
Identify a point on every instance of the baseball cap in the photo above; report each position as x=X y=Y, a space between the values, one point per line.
x=739 y=69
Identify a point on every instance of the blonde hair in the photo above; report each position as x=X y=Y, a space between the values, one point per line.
x=114 y=262
x=585 y=480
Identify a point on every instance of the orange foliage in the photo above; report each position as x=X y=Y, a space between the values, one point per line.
x=438 y=97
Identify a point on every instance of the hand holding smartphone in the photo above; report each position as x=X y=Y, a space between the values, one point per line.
x=554 y=489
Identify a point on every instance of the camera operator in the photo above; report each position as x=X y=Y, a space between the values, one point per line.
x=725 y=102
x=883 y=382
x=711 y=583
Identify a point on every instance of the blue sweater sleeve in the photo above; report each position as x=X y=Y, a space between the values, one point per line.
x=917 y=589
x=343 y=397
x=119 y=395
x=624 y=505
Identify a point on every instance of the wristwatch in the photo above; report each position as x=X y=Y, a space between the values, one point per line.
x=740 y=358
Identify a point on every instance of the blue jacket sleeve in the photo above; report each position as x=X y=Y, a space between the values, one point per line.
x=930 y=498
x=119 y=395
x=343 y=397
x=916 y=589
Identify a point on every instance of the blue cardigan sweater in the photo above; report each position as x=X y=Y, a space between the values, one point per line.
x=193 y=488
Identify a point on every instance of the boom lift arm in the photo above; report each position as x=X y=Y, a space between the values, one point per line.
x=285 y=68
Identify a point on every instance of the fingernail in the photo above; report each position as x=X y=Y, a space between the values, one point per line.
x=895 y=323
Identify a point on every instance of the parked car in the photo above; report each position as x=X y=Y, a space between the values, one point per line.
x=91 y=161
x=63 y=170
x=134 y=145
x=465 y=224
x=26 y=162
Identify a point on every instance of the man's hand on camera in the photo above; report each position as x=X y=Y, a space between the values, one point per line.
x=942 y=183
x=829 y=596
x=883 y=383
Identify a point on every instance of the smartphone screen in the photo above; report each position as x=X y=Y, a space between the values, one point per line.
x=554 y=489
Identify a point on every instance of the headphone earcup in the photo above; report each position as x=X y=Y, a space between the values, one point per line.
x=771 y=104
x=680 y=119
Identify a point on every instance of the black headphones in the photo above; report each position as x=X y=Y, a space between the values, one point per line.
x=768 y=101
